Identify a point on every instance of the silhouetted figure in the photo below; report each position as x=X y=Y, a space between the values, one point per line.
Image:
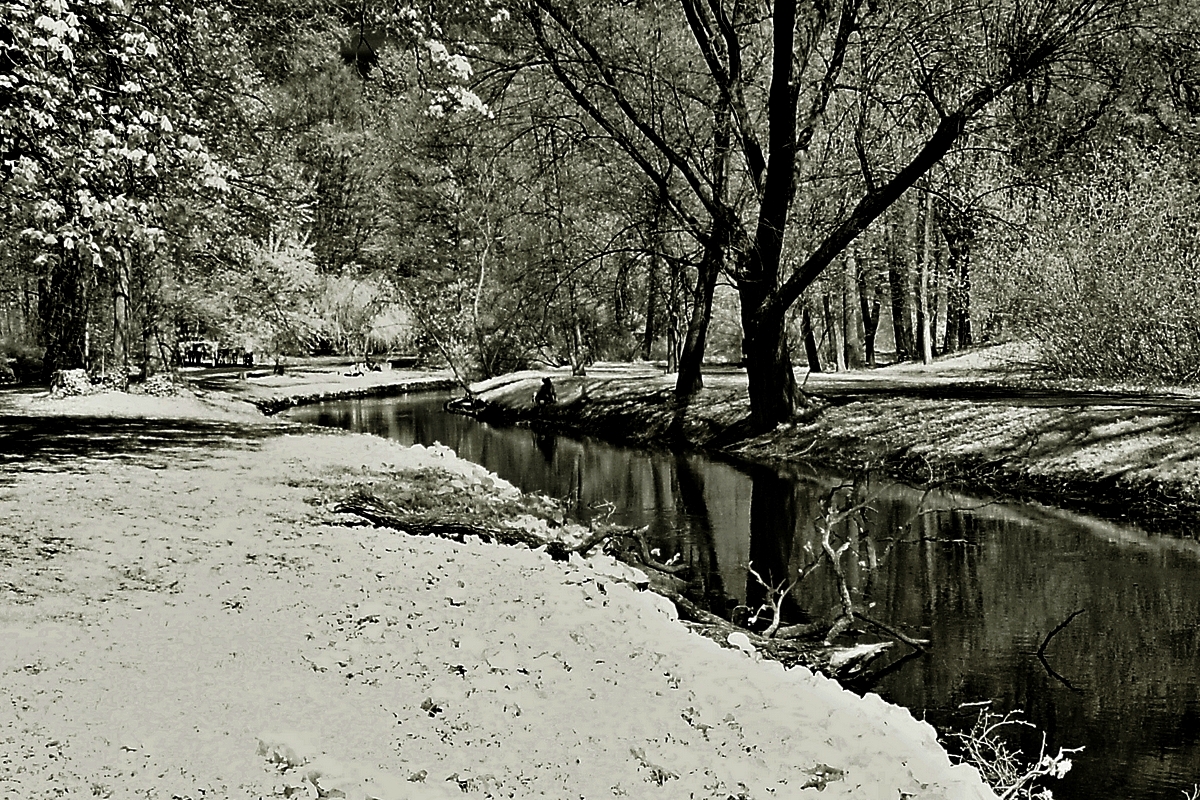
x=546 y=396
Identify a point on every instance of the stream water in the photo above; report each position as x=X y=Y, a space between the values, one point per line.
x=985 y=582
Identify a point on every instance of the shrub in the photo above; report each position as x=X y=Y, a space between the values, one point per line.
x=1005 y=768
x=1108 y=281
x=23 y=361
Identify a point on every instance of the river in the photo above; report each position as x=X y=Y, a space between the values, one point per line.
x=984 y=581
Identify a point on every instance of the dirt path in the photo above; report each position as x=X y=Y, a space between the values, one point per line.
x=184 y=617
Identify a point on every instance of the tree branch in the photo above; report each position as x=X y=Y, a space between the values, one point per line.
x=610 y=84
x=727 y=75
x=847 y=24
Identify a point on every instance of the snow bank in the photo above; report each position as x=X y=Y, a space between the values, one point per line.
x=137 y=406
x=208 y=629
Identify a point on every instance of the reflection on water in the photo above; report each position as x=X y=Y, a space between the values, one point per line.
x=985 y=582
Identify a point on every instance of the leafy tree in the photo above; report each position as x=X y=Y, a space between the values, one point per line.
x=150 y=150
x=92 y=136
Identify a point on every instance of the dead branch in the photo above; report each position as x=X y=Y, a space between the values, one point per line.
x=775 y=595
x=597 y=537
x=639 y=536
x=370 y=509
x=1006 y=770
x=380 y=513
x=846 y=619
x=1041 y=651
x=805 y=630
x=690 y=611
x=919 y=644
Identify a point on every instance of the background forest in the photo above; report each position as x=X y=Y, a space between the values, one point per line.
x=562 y=181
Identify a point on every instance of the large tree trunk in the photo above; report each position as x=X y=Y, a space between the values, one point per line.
x=869 y=304
x=774 y=395
x=690 y=380
x=652 y=313
x=121 y=318
x=654 y=277
x=63 y=315
x=938 y=290
x=899 y=280
x=833 y=329
x=958 y=292
x=852 y=321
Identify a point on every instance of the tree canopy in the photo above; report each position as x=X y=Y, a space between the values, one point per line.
x=558 y=181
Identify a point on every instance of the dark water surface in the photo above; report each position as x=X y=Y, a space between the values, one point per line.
x=986 y=582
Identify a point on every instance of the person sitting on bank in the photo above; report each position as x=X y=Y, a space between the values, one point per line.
x=546 y=396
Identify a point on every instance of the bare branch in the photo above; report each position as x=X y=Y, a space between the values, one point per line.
x=612 y=86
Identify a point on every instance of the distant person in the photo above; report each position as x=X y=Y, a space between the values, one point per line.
x=546 y=396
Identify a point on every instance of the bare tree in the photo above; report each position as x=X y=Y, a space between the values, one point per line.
x=777 y=87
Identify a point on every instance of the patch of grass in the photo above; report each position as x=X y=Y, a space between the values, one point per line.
x=431 y=494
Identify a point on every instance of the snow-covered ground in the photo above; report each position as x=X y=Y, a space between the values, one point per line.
x=196 y=623
x=314 y=382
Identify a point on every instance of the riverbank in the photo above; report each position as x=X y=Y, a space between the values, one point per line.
x=186 y=615
x=315 y=382
x=978 y=422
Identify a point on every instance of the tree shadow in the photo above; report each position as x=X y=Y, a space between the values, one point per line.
x=53 y=444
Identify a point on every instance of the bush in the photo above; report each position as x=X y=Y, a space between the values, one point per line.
x=1108 y=282
x=23 y=361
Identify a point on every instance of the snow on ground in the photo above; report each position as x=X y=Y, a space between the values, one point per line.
x=317 y=381
x=188 y=406
x=194 y=627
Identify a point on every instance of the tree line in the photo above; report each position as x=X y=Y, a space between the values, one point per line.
x=556 y=181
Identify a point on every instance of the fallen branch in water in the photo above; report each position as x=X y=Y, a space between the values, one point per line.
x=843 y=663
x=774 y=603
x=1041 y=651
x=639 y=536
x=825 y=525
x=919 y=644
x=804 y=630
